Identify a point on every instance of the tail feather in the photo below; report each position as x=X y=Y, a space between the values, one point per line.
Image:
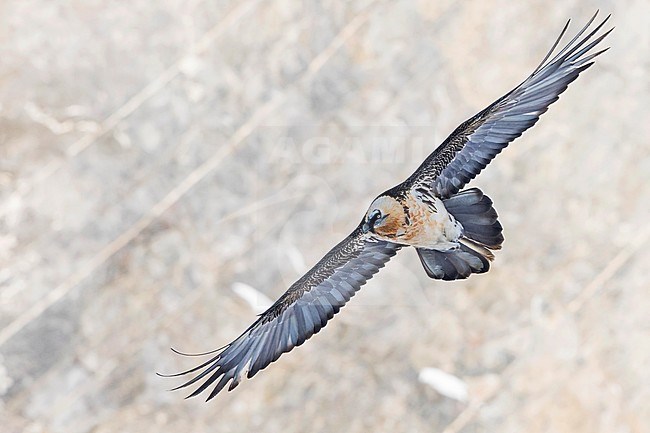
x=477 y=247
x=482 y=232
x=455 y=264
x=479 y=219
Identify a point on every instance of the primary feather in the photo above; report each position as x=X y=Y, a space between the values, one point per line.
x=471 y=147
x=297 y=315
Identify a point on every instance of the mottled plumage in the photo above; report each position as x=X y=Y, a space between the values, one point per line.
x=453 y=231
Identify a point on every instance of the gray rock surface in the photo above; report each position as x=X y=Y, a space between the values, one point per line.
x=153 y=154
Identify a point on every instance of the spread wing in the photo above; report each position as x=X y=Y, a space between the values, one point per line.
x=298 y=314
x=478 y=140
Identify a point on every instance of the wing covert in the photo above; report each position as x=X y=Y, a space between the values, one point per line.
x=300 y=312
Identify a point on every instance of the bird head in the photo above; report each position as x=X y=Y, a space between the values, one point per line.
x=385 y=217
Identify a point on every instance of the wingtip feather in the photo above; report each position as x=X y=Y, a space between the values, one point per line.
x=178 y=352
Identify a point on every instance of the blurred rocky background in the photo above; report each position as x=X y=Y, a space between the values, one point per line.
x=166 y=166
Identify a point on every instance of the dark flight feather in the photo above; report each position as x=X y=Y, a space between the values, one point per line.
x=478 y=140
x=302 y=311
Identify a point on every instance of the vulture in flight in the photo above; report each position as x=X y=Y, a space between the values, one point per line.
x=453 y=230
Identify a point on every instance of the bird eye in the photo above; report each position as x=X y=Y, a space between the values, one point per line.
x=374 y=216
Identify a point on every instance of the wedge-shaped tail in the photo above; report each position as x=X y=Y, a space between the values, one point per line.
x=454 y=264
x=481 y=233
x=474 y=211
